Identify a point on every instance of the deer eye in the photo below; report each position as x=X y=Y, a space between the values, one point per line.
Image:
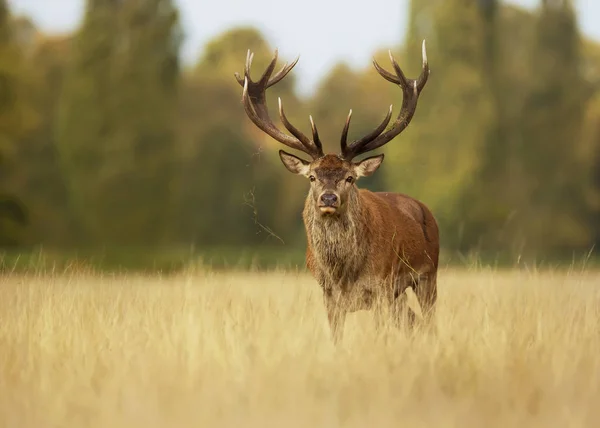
x=350 y=179
x=312 y=178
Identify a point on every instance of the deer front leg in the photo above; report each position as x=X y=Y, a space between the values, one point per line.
x=402 y=315
x=336 y=315
x=426 y=292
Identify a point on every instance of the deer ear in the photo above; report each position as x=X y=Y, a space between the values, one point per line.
x=368 y=166
x=294 y=164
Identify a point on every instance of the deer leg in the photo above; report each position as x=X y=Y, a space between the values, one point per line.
x=336 y=315
x=426 y=292
x=402 y=314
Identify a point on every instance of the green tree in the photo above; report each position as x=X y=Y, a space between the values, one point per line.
x=440 y=151
x=39 y=179
x=232 y=176
x=554 y=218
x=492 y=225
x=116 y=135
x=595 y=177
x=147 y=75
x=17 y=119
x=591 y=137
x=88 y=121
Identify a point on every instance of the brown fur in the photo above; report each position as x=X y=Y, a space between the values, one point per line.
x=363 y=247
x=379 y=245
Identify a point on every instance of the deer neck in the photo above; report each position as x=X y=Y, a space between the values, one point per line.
x=339 y=242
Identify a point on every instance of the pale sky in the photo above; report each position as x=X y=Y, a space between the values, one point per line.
x=322 y=32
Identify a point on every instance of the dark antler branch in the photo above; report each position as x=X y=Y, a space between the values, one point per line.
x=411 y=89
x=315 y=133
x=344 y=139
x=255 y=105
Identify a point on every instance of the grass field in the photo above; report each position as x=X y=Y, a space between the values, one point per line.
x=513 y=349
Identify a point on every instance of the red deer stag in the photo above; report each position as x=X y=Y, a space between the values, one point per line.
x=363 y=247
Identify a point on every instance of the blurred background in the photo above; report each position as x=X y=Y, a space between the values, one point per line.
x=123 y=141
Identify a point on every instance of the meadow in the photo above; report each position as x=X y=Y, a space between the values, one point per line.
x=518 y=348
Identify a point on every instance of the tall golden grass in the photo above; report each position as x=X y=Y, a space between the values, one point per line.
x=512 y=349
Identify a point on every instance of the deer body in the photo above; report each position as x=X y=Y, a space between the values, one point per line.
x=364 y=248
x=372 y=252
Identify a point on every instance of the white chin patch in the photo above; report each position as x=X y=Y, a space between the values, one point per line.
x=327 y=210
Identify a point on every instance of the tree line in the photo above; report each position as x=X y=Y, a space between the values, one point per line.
x=107 y=140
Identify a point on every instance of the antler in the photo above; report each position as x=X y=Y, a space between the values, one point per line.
x=411 y=89
x=254 y=100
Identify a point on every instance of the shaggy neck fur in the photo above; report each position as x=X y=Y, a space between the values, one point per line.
x=339 y=242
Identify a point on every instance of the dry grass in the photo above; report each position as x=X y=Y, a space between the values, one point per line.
x=512 y=349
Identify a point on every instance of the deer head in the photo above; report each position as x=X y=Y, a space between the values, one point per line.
x=332 y=176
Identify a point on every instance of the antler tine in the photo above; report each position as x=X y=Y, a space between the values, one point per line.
x=397 y=69
x=377 y=130
x=294 y=131
x=386 y=74
x=269 y=70
x=249 y=57
x=422 y=80
x=283 y=72
x=407 y=111
x=247 y=65
x=411 y=89
x=344 y=139
x=255 y=105
x=315 y=134
x=239 y=78
x=267 y=126
x=368 y=137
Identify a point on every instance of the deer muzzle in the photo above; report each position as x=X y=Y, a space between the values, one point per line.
x=329 y=203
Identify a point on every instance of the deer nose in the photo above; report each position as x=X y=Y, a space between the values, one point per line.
x=329 y=199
